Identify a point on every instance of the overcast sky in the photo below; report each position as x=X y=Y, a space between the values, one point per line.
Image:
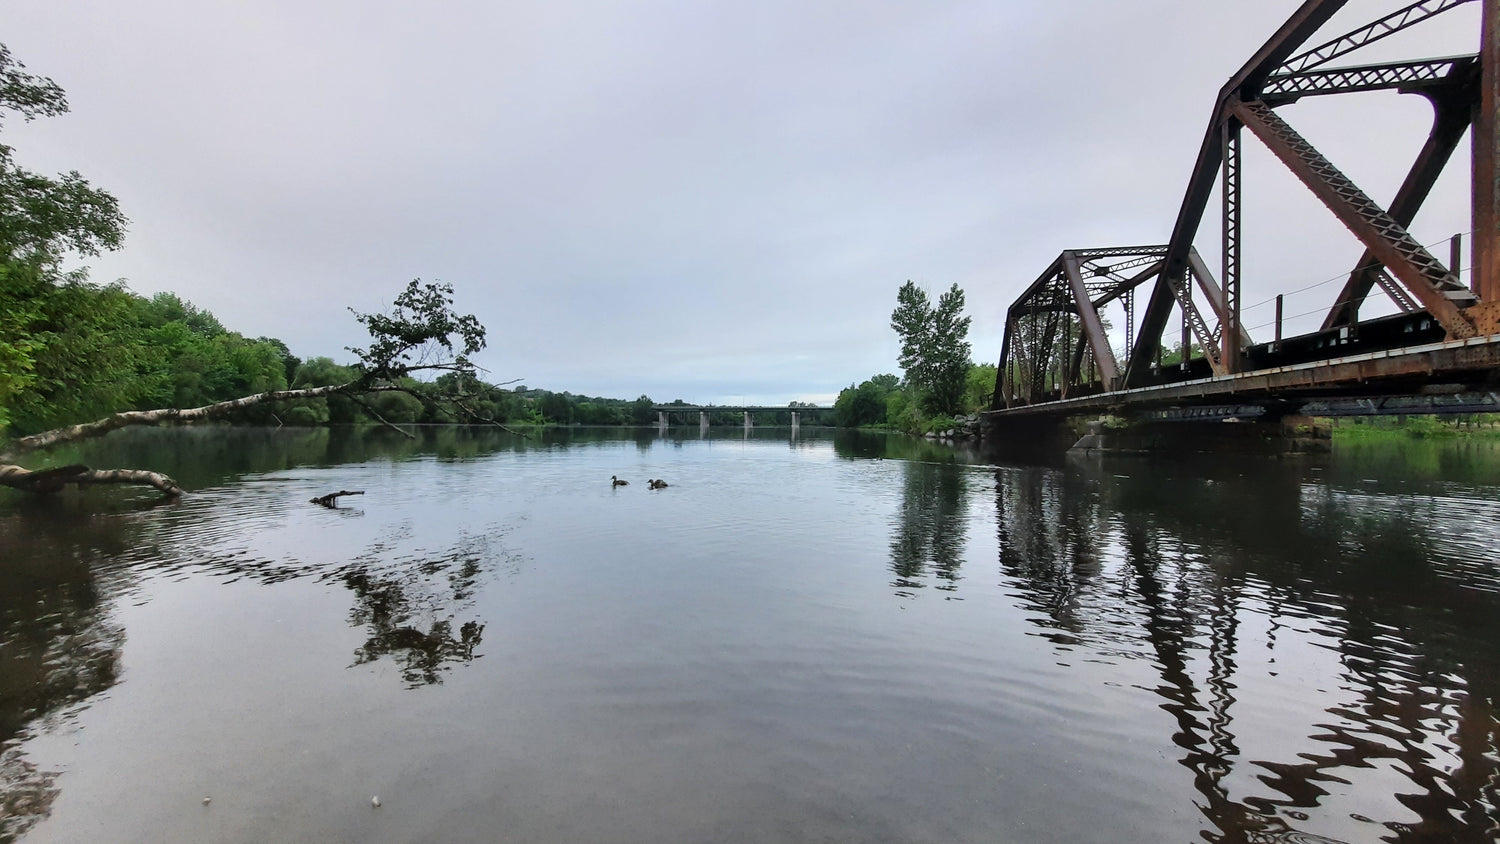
x=713 y=201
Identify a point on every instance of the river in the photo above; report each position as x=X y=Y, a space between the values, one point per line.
x=812 y=637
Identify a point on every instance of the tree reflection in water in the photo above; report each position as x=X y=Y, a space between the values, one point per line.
x=931 y=528
x=58 y=645
x=409 y=603
x=410 y=612
x=65 y=563
x=1131 y=560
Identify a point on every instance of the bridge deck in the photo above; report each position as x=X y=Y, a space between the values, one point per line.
x=1466 y=363
x=733 y=408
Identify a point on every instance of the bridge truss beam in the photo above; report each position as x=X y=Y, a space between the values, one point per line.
x=1055 y=327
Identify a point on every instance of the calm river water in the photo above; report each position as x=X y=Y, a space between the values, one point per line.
x=827 y=638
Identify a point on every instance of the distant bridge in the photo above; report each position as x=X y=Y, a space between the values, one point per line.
x=747 y=409
x=1439 y=353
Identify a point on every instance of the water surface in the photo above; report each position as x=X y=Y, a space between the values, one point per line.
x=849 y=638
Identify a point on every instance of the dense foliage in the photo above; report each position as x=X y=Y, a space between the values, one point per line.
x=885 y=401
x=940 y=382
x=50 y=322
x=934 y=347
x=81 y=351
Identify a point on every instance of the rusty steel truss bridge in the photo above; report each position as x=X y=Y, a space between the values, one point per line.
x=1438 y=352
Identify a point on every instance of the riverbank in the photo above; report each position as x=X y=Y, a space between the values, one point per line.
x=1415 y=427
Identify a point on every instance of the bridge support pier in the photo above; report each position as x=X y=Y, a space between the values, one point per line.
x=661 y=419
x=747 y=420
x=702 y=421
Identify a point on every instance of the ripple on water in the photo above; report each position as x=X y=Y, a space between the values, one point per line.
x=1125 y=656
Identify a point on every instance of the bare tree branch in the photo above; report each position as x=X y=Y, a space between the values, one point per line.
x=331 y=499
x=485 y=420
x=370 y=409
x=419 y=333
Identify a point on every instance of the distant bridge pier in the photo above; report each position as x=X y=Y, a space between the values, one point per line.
x=664 y=412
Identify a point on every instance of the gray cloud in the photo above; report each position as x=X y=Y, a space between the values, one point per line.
x=710 y=201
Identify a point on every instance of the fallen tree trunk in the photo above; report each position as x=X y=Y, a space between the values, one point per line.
x=417 y=335
x=127 y=418
x=46 y=481
x=51 y=480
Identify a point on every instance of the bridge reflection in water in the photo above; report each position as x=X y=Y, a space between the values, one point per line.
x=1323 y=643
x=1327 y=644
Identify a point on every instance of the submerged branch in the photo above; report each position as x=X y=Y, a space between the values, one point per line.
x=370 y=409
x=331 y=498
x=485 y=420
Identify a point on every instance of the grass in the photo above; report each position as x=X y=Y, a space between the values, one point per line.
x=1416 y=427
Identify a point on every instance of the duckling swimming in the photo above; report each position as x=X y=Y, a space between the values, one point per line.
x=614 y=481
x=656 y=484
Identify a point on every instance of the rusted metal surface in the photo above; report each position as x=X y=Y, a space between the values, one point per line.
x=1452 y=106
x=1229 y=301
x=1055 y=338
x=1056 y=344
x=1424 y=276
x=1390 y=372
x=1093 y=329
x=1486 y=156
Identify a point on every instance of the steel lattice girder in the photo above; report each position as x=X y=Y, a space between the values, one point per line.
x=1426 y=277
x=1391 y=24
x=1452 y=114
x=1302 y=25
x=1462 y=89
x=1407 y=77
x=1283 y=77
x=1061 y=293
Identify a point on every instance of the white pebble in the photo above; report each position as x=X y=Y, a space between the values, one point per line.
x=375 y=801
x=207 y=800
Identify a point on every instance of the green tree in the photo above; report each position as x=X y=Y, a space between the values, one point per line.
x=979 y=386
x=397 y=408
x=934 y=346
x=556 y=408
x=334 y=408
x=865 y=404
x=41 y=217
x=641 y=412
x=73 y=344
x=52 y=362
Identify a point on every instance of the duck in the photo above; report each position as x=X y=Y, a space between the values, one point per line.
x=656 y=484
x=614 y=481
